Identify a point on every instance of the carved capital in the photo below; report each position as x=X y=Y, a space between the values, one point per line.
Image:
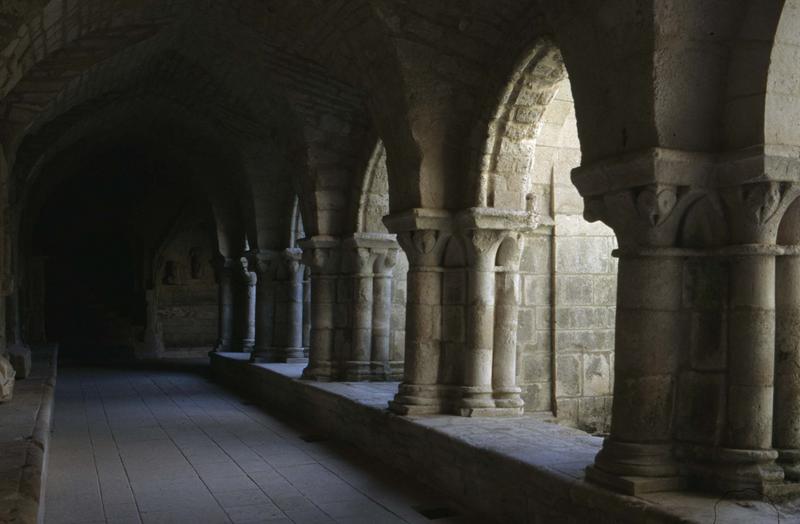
x=293 y=258
x=755 y=210
x=265 y=263
x=248 y=277
x=648 y=215
x=423 y=247
x=386 y=261
x=321 y=254
x=481 y=246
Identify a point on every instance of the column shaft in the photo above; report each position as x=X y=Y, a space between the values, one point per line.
x=751 y=353
x=323 y=302
x=225 y=319
x=477 y=381
x=294 y=328
x=786 y=421
x=648 y=341
x=381 y=325
x=504 y=360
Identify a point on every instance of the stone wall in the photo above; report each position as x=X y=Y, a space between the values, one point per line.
x=566 y=323
x=186 y=293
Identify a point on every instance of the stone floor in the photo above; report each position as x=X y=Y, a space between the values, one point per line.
x=159 y=446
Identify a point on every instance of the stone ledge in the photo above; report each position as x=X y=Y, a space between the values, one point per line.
x=25 y=440
x=514 y=470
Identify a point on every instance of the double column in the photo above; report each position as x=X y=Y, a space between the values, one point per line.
x=351 y=301
x=279 y=323
x=322 y=255
x=786 y=420
x=478 y=379
x=225 y=267
x=245 y=281
x=695 y=342
x=371 y=258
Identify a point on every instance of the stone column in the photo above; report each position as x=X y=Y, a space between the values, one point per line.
x=247 y=280
x=648 y=341
x=364 y=250
x=306 y=310
x=638 y=455
x=321 y=255
x=423 y=234
x=293 y=351
x=786 y=421
x=746 y=459
x=265 y=264
x=484 y=231
x=357 y=363
x=504 y=359
x=382 y=315
x=476 y=385
x=225 y=320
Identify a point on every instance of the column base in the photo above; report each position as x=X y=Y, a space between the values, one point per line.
x=474 y=398
x=631 y=459
x=357 y=371
x=789 y=461
x=739 y=473
x=319 y=371
x=243 y=346
x=508 y=397
x=634 y=468
x=416 y=399
x=222 y=346
x=496 y=411
x=632 y=485
x=279 y=355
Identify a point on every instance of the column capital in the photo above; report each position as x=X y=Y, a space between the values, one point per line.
x=363 y=250
x=264 y=261
x=293 y=258
x=321 y=253
x=249 y=277
x=755 y=210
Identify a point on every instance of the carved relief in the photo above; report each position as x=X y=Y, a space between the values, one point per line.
x=655 y=203
x=385 y=262
x=648 y=215
x=761 y=201
x=197 y=262
x=483 y=240
x=424 y=240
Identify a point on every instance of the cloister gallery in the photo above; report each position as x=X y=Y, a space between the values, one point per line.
x=400 y=261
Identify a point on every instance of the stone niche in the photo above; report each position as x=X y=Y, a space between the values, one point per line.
x=182 y=307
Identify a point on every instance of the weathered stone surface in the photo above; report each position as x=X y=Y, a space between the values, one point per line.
x=7 y=375
x=20 y=358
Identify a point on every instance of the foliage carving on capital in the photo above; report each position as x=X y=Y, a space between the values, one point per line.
x=647 y=215
x=424 y=240
x=483 y=240
x=423 y=246
x=292 y=257
x=761 y=201
x=248 y=277
x=386 y=261
x=655 y=203
x=361 y=260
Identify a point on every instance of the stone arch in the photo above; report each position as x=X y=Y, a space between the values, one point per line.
x=509 y=133
x=527 y=148
x=782 y=100
x=760 y=54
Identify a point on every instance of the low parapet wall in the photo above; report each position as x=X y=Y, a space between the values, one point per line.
x=25 y=440
x=524 y=470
